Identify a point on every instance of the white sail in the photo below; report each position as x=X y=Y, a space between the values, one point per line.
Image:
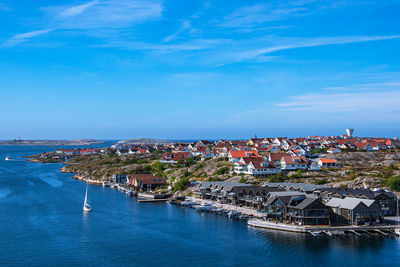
x=84 y=204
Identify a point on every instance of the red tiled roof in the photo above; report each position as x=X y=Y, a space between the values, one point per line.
x=243 y=154
x=148 y=178
x=277 y=156
x=328 y=160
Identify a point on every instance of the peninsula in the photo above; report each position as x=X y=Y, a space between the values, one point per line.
x=75 y=142
x=277 y=179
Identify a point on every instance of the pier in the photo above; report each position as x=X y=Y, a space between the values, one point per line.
x=354 y=229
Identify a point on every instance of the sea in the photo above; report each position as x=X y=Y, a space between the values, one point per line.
x=42 y=224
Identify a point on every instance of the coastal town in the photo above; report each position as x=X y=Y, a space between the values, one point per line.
x=335 y=183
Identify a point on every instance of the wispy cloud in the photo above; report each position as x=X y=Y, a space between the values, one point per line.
x=23 y=37
x=386 y=101
x=185 y=25
x=106 y=14
x=76 y=10
x=251 y=16
x=191 y=45
x=94 y=18
x=364 y=86
x=254 y=17
x=5 y=8
x=310 y=42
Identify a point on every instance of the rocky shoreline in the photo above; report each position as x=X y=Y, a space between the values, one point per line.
x=82 y=178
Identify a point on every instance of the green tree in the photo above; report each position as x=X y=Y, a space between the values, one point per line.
x=182 y=184
x=393 y=183
x=222 y=170
x=159 y=167
x=190 y=161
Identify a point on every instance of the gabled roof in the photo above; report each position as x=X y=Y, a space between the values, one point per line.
x=254 y=190
x=277 y=156
x=294 y=160
x=304 y=203
x=356 y=192
x=226 y=185
x=348 y=202
x=243 y=154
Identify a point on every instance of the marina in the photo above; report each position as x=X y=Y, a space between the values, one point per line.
x=256 y=219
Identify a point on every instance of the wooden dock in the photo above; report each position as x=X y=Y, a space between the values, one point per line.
x=358 y=230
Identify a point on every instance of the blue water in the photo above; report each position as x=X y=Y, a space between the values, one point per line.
x=42 y=223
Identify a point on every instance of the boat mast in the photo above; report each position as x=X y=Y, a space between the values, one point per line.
x=86 y=194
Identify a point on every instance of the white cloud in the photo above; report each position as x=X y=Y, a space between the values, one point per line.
x=377 y=102
x=310 y=42
x=192 y=45
x=250 y=16
x=364 y=86
x=76 y=10
x=95 y=18
x=23 y=37
x=106 y=14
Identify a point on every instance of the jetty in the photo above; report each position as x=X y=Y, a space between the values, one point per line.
x=358 y=230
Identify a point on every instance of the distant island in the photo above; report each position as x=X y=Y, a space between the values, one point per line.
x=76 y=142
x=141 y=141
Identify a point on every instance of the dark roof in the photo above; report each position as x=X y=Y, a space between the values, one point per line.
x=255 y=190
x=284 y=199
x=304 y=202
x=343 y=192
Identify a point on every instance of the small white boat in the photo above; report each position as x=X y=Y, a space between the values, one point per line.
x=7 y=158
x=397 y=231
x=203 y=207
x=188 y=203
x=86 y=206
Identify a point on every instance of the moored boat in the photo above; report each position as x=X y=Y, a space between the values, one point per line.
x=203 y=207
x=188 y=203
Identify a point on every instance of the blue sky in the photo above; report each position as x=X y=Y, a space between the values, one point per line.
x=198 y=69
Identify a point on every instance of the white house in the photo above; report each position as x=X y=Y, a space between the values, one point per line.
x=255 y=167
x=289 y=163
x=326 y=163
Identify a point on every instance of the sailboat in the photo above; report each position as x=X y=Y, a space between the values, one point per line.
x=86 y=206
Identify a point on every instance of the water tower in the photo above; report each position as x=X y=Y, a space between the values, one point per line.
x=349 y=132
